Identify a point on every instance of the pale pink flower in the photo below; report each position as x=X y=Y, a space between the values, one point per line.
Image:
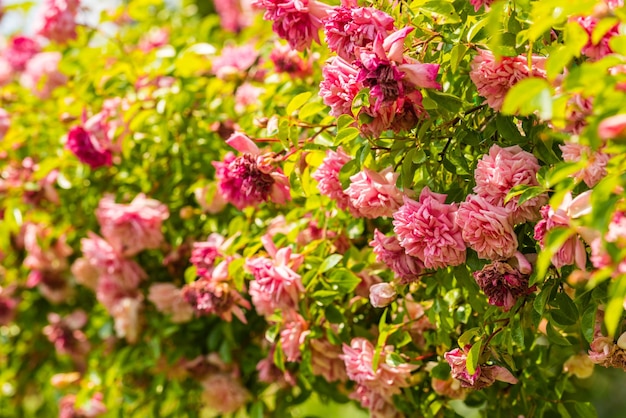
x=19 y=51
x=382 y=294
x=499 y=171
x=6 y=71
x=450 y=388
x=293 y=335
x=296 y=21
x=327 y=176
x=287 y=60
x=612 y=127
x=379 y=406
x=577 y=110
x=247 y=95
x=5 y=122
x=389 y=251
x=350 y=28
x=276 y=285
x=427 y=230
x=339 y=86
x=573 y=250
x=503 y=284
x=270 y=373
x=126 y=318
x=235 y=61
x=386 y=380
x=101 y=259
x=169 y=300
x=494 y=78
x=131 y=228
x=250 y=179
x=41 y=75
x=326 y=361
x=66 y=335
x=108 y=126
x=481 y=3
x=50 y=258
x=487 y=229
x=234 y=14
x=483 y=377
x=155 y=38
x=597 y=161
x=224 y=393
x=91 y=408
x=209 y=199
x=57 y=20
x=374 y=194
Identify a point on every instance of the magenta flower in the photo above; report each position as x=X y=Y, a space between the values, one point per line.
x=134 y=227
x=596 y=162
x=481 y=3
x=327 y=176
x=276 y=285
x=296 y=21
x=487 y=229
x=502 y=169
x=56 y=20
x=41 y=75
x=427 y=230
x=87 y=148
x=250 y=179
x=374 y=194
x=349 y=28
x=503 y=284
x=389 y=251
x=19 y=51
x=494 y=78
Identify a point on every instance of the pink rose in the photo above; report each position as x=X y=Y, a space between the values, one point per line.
x=327 y=176
x=389 y=251
x=382 y=294
x=597 y=161
x=374 y=194
x=56 y=20
x=169 y=300
x=42 y=74
x=613 y=127
x=486 y=228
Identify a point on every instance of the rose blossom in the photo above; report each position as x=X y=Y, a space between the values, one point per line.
x=389 y=251
x=250 y=179
x=65 y=333
x=56 y=20
x=499 y=171
x=613 y=127
x=131 y=228
x=427 y=230
x=595 y=169
x=234 y=61
x=169 y=300
x=293 y=335
x=276 y=285
x=503 y=284
x=41 y=75
x=601 y=48
x=296 y=21
x=486 y=228
x=481 y=3
x=373 y=194
x=339 y=86
x=19 y=51
x=126 y=318
x=205 y=253
x=234 y=14
x=90 y=409
x=224 y=393
x=87 y=148
x=483 y=377
x=327 y=176
x=382 y=294
x=287 y=60
x=494 y=78
x=350 y=28
x=326 y=361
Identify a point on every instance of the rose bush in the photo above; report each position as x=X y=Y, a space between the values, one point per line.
x=414 y=206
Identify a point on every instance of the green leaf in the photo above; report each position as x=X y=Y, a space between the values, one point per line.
x=468 y=336
x=346 y=135
x=473 y=357
x=613 y=315
x=345 y=280
x=554 y=239
x=441 y=371
x=441 y=11
x=330 y=262
x=311 y=109
x=297 y=102
x=555 y=337
x=588 y=322
x=530 y=95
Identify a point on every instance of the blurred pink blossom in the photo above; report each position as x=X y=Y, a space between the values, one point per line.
x=87 y=148
x=234 y=61
x=247 y=95
x=326 y=360
x=235 y=15
x=427 y=230
x=169 y=300
x=287 y=60
x=19 y=51
x=293 y=335
x=613 y=127
x=502 y=169
x=481 y=3
x=155 y=38
x=224 y=393
x=126 y=318
x=41 y=75
x=327 y=176
x=134 y=227
x=57 y=20
x=595 y=169
x=66 y=335
x=8 y=305
x=495 y=77
x=374 y=194
x=601 y=48
x=204 y=254
x=486 y=228
x=92 y=408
